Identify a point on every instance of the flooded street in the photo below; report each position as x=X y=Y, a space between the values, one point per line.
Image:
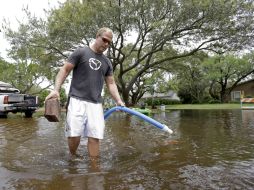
x=210 y=149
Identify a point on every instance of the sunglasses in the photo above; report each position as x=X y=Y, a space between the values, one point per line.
x=105 y=40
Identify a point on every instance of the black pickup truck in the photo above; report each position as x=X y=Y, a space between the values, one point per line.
x=11 y=100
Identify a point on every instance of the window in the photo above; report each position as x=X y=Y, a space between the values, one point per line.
x=235 y=95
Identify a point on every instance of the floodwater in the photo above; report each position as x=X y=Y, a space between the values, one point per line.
x=210 y=149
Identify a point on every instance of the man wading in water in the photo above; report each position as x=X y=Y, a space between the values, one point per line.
x=84 y=112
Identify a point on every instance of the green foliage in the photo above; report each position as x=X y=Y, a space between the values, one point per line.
x=201 y=76
x=31 y=63
x=190 y=79
x=226 y=71
x=185 y=96
x=42 y=97
x=44 y=93
x=166 y=32
x=227 y=66
x=214 y=102
x=157 y=102
x=4 y=71
x=26 y=77
x=63 y=97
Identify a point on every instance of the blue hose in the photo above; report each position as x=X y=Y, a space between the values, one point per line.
x=140 y=115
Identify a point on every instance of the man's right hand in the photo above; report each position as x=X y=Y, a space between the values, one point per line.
x=53 y=94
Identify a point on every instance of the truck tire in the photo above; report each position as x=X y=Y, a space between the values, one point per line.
x=28 y=114
x=3 y=115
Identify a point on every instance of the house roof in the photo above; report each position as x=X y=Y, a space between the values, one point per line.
x=244 y=82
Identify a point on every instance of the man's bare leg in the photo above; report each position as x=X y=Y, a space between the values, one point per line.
x=73 y=143
x=93 y=146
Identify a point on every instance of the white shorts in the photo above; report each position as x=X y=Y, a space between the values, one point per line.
x=84 y=119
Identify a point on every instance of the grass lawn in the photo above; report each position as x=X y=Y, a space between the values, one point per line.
x=204 y=106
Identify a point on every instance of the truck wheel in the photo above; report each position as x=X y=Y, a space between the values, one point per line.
x=28 y=114
x=3 y=115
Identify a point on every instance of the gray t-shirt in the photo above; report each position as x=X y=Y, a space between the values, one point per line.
x=88 y=74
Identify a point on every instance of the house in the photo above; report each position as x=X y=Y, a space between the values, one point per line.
x=242 y=90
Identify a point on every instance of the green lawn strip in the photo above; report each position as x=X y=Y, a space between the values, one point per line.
x=204 y=106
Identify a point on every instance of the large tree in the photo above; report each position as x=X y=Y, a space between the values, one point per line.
x=201 y=76
x=226 y=71
x=151 y=33
x=29 y=64
x=191 y=80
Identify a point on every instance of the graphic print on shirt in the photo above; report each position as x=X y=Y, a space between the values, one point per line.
x=94 y=64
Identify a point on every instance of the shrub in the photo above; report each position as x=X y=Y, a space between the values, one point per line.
x=158 y=102
x=214 y=102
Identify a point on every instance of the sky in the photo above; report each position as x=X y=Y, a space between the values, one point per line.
x=12 y=10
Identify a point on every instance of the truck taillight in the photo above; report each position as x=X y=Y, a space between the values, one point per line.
x=6 y=99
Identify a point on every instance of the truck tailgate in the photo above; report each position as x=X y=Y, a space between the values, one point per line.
x=12 y=98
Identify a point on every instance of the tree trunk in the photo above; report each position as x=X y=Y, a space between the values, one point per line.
x=125 y=95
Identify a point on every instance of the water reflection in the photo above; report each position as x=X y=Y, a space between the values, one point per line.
x=248 y=118
x=210 y=149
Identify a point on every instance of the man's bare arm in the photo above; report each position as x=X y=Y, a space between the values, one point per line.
x=60 y=78
x=110 y=82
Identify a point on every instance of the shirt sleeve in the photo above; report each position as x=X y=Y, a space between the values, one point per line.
x=74 y=58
